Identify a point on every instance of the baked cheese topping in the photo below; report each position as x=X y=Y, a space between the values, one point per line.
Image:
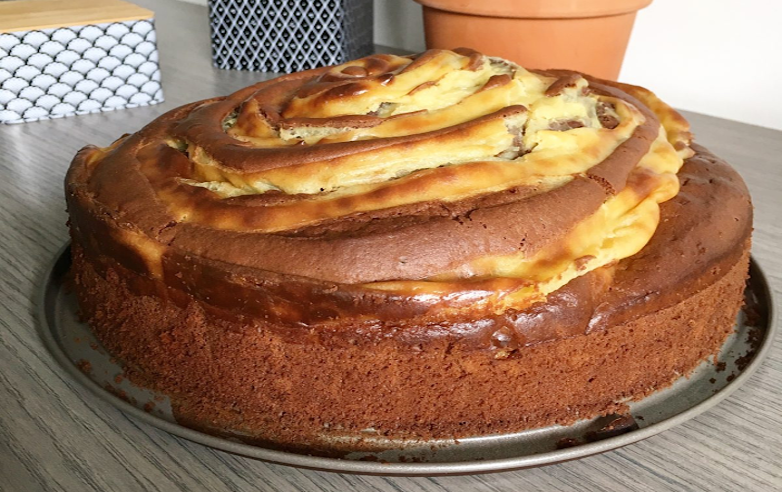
x=387 y=132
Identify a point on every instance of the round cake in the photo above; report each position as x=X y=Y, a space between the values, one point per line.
x=414 y=247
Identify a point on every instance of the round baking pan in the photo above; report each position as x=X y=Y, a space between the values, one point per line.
x=81 y=356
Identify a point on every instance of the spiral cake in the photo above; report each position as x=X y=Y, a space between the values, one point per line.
x=429 y=246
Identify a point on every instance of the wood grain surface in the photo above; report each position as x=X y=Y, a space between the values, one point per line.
x=56 y=436
x=45 y=14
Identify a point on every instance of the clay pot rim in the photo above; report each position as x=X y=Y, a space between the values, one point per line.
x=538 y=9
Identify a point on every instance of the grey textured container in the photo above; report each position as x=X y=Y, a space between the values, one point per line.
x=286 y=36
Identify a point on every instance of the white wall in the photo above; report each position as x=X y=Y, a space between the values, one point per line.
x=718 y=57
x=399 y=23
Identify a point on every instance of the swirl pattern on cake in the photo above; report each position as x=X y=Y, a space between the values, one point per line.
x=365 y=173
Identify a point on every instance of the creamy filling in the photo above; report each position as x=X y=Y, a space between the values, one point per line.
x=455 y=97
x=620 y=228
x=551 y=140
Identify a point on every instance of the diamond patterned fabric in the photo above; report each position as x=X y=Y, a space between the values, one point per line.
x=287 y=36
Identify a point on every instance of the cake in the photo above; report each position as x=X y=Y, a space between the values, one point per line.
x=413 y=247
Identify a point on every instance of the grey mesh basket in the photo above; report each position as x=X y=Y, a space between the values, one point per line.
x=289 y=35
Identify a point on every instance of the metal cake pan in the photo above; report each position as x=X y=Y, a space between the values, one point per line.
x=81 y=356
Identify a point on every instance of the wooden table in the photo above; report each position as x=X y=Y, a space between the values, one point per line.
x=56 y=436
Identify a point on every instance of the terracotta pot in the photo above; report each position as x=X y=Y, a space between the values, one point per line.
x=586 y=35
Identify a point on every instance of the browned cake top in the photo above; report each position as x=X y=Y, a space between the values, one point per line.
x=438 y=176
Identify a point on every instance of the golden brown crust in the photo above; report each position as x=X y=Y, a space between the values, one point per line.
x=700 y=227
x=373 y=236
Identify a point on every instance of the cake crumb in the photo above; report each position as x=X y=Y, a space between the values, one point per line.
x=616 y=425
x=754 y=340
x=84 y=366
x=121 y=394
x=752 y=311
x=568 y=442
